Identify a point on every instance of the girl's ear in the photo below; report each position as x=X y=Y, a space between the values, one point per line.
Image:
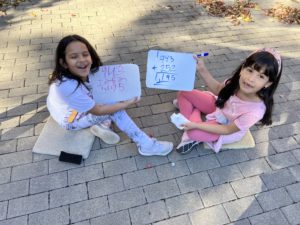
x=63 y=64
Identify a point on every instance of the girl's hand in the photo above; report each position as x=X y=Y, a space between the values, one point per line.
x=190 y=126
x=200 y=65
x=131 y=101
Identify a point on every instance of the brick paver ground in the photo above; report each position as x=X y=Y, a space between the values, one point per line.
x=115 y=185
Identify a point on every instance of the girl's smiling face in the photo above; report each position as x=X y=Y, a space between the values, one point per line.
x=77 y=60
x=252 y=81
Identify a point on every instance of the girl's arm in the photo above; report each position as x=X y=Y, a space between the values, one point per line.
x=212 y=128
x=99 y=110
x=202 y=72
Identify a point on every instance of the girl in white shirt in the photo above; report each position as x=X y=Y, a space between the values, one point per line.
x=71 y=104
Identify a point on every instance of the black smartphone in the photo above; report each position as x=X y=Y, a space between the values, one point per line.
x=71 y=158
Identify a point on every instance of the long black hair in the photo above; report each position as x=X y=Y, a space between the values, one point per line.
x=59 y=71
x=261 y=60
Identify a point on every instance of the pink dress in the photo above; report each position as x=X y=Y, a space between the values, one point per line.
x=243 y=113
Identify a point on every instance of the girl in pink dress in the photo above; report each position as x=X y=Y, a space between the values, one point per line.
x=233 y=106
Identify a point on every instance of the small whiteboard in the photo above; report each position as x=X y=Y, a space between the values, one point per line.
x=170 y=70
x=115 y=83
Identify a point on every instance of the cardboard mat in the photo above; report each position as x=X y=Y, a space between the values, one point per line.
x=246 y=142
x=54 y=139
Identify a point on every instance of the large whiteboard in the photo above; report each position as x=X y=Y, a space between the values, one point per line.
x=170 y=70
x=114 y=83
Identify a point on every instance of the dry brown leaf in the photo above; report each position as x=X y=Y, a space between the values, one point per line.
x=240 y=9
x=285 y=14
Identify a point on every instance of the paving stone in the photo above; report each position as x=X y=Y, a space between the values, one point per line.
x=231 y=157
x=57 y=216
x=10 y=123
x=126 y=150
x=180 y=220
x=16 y=158
x=13 y=190
x=241 y=222
x=140 y=178
x=15 y=221
x=278 y=178
x=39 y=117
x=207 y=216
x=48 y=182
x=26 y=143
x=154 y=120
x=8 y=146
x=10 y=102
x=27 y=205
x=172 y=170
x=254 y=167
x=148 y=162
x=126 y=199
x=273 y=199
x=3 y=209
x=282 y=160
x=139 y=112
x=29 y=170
x=285 y=144
x=22 y=91
x=194 y=182
x=183 y=204
x=242 y=208
x=84 y=174
x=161 y=190
x=22 y=109
x=248 y=186
x=217 y=195
x=296 y=153
x=17 y=132
x=68 y=195
x=295 y=170
x=87 y=222
x=291 y=212
x=5 y=175
x=203 y=163
x=225 y=174
x=121 y=217
x=274 y=217
x=293 y=191
x=119 y=166
x=100 y=156
x=105 y=186
x=148 y=213
x=88 y=209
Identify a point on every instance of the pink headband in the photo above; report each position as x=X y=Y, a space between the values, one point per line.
x=274 y=53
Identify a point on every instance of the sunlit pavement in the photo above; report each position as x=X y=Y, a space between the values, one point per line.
x=115 y=185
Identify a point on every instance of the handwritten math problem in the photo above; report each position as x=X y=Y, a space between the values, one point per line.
x=170 y=70
x=113 y=80
x=166 y=70
x=114 y=83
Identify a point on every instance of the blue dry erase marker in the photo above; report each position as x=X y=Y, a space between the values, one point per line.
x=202 y=54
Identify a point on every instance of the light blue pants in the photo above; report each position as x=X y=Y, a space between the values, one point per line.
x=121 y=119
